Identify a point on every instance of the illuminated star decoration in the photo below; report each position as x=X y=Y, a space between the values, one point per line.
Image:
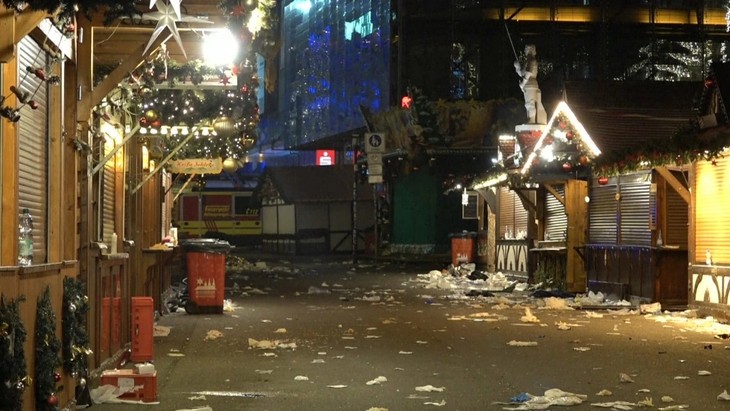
x=166 y=18
x=175 y=5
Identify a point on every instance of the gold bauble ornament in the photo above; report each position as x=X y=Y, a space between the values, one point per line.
x=230 y=164
x=224 y=126
x=151 y=115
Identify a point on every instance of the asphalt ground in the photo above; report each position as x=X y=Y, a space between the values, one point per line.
x=371 y=337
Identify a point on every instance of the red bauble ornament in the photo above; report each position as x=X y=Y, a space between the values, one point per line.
x=157 y=123
x=33 y=104
x=70 y=28
x=235 y=70
x=143 y=121
x=603 y=180
x=567 y=166
x=569 y=135
x=53 y=400
x=56 y=377
x=583 y=160
x=709 y=82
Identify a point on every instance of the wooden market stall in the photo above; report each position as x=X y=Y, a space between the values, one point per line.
x=309 y=209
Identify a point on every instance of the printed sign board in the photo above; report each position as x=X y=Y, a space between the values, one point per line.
x=197 y=166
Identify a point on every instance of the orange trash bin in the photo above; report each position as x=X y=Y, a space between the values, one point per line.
x=206 y=268
x=462 y=249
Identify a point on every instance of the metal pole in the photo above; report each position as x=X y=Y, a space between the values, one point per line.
x=376 y=240
x=165 y=160
x=354 y=198
x=114 y=151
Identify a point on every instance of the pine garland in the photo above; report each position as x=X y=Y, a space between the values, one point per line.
x=13 y=373
x=112 y=9
x=47 y=359
x=75 y=338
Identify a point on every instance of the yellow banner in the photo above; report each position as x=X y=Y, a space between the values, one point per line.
x=197 y=166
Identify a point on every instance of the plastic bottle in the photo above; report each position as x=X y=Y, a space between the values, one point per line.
x=25 y=239
x=113 y=245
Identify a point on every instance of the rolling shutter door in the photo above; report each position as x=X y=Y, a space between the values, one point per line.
x=712 y=191
x=109 y=192
x=33 y=145
x=506 y=210
x=556 y=221
x=677 y=220
x=635 y=210
x=603 y=214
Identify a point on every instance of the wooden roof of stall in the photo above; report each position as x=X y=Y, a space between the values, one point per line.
x=314 y=184
x=620 y=115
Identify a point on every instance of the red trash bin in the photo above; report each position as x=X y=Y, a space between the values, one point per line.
x=206 y=268
x=462 y=249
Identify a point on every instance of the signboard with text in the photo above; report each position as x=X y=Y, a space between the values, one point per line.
x=197 y=166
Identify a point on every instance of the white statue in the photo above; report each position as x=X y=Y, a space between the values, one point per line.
x=533 y=99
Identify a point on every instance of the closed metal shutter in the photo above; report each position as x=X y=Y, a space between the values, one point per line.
x=108 y=191
x=512 y=214
x=635 y=210
x=33 y=145
x=712 y=191
x=677 y=218
x=556 y=221
x=603 y=214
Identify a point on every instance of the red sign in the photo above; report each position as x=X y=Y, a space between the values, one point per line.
x=325 y=157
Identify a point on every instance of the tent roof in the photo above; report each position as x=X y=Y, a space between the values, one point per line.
x=317 y=184
x=619 y=115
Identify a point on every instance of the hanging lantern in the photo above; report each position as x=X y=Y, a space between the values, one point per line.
x=230 y=164
x=602 y=180
x=224 y=126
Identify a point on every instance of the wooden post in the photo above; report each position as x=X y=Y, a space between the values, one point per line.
x=577 y=210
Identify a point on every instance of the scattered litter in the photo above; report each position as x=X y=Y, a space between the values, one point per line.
x=593 y=314
x=269 y=344
x=161 y=331
x=280 y=331
x=704 y=372
x=582 y=349
x=529 y=317
x=723 y=396
x=405 y=352
x=429 y=388
x=625 y=378
x=554 y=303
x=377 y=381
x=376 y=409
x=421 y=342
x=553 y=396
x=337 y=386
x=264 y=371
x=562 y=326
x=438 y=404
x=681 y=377
x=197 y=398
x=604 y=393
x=270 y=354
x=301 y=378
x=673 y=408
x=515 y=343
x=206 y=408
x=371 y=298
x=318 y=361
x=228 y=306
x=653 y=308
x=316 y=290
x=213 y=335
x=667 y=399
x=644 y=390
x=175 y=353
x=619 y=405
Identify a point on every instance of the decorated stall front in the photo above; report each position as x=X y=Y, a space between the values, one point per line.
x=639 y=193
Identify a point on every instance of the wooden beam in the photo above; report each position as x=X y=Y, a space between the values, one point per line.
x=7 y=34
x=131 y=62
x=26 y=21
x=529 y=205
x=555 y=193
x=674 y=183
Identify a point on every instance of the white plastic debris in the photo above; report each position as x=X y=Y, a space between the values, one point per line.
x=723 y=396
x=515 y=343
x=529 y=317
x=555 y=303
x=429 y=388
x=301 y=378
x=316 y=290
x=681 y=377
x=623 y=377
x=652 y=308
x=337 y=386
x=704 y=372
x=438 y=404
x=377 y=380
x=604 y=393
x=213 y=335
x=553 y=396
